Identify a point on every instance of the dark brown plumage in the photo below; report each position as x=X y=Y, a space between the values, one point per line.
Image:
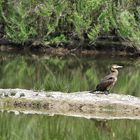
x=108 y=81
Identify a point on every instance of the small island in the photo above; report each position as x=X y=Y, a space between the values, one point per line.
x=80 y=104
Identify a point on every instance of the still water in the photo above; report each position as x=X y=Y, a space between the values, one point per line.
x=41 y=127
x=68 y=74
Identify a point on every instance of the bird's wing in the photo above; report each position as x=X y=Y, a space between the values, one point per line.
x=110 y=76
x=105 y=83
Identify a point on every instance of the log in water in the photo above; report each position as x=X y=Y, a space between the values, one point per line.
x=81 y=104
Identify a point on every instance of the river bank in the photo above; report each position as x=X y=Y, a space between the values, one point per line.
x=103 y=46
x=73 y=26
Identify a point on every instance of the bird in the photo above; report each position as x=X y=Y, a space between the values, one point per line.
x=108 y=81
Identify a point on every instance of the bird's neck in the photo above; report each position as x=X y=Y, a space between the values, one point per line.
x=114 y=71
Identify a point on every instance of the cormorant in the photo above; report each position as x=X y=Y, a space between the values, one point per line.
x=108 y=81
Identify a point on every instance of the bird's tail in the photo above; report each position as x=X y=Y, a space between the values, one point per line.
x=92 y=91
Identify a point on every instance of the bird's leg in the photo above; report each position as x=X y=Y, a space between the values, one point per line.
x=106 y=92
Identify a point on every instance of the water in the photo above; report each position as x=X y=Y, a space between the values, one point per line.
x=41 y=127
x=68 y=74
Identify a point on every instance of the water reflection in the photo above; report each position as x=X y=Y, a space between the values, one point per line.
x=66 y=73
x=41 y=127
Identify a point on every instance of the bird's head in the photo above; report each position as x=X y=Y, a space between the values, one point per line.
x=114 y=66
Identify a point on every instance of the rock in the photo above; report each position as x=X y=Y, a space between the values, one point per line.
x=81 y=104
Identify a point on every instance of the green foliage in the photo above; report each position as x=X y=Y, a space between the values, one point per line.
x=19 y=24
x=1 y=7
x=50 y=14
x=81 y=24
x=93 y=34
x=126 y=22
x=129 y=27
x=138 y=10
x=59 y=21
x=83 y=15
x=55 y=40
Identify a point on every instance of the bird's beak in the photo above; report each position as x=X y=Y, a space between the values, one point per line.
x=119 y=66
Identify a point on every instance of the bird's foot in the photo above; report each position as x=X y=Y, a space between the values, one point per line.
x=106 y=92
